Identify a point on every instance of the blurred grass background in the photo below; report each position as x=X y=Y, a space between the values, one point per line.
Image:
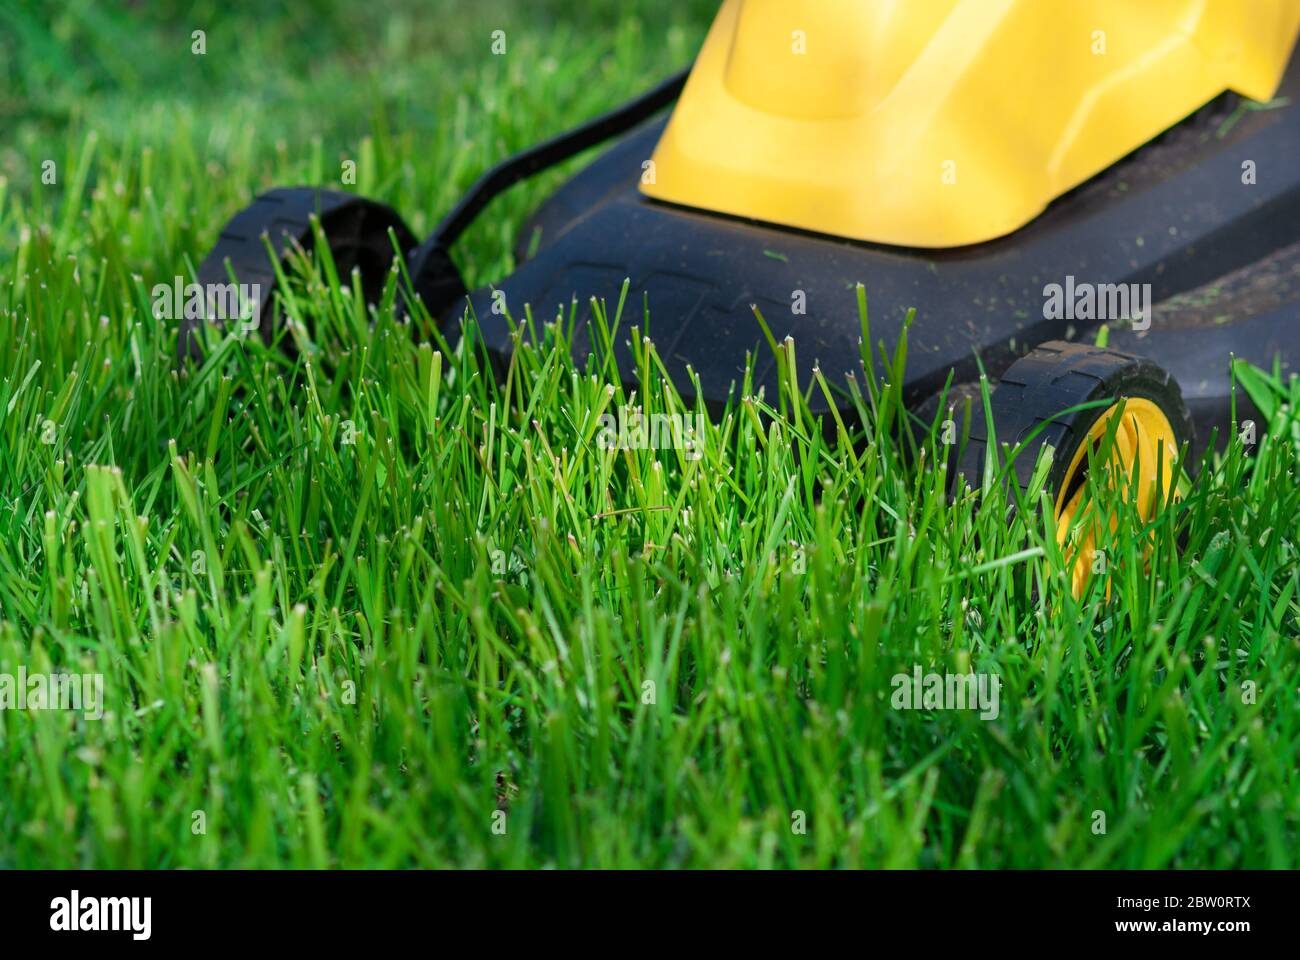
x=286 y=91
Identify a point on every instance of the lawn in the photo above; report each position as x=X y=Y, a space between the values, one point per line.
x=363 y=604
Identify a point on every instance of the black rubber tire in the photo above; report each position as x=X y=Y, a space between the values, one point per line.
x=356 y=228
x=1053 y=377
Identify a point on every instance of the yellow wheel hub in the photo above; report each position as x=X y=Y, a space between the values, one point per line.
x=1144 y=440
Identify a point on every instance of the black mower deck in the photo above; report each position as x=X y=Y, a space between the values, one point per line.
x=1175 y=214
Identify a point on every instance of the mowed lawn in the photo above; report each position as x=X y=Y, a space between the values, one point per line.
x=363 y=604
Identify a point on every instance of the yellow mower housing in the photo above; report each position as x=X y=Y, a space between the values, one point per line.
x=939 y=123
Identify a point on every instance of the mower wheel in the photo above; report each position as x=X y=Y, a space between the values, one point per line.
x=356 y=228
x=1041 y=391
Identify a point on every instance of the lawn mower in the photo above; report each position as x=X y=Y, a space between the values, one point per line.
x=1019 y=172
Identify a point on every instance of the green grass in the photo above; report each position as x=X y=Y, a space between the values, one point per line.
x=356 y=654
